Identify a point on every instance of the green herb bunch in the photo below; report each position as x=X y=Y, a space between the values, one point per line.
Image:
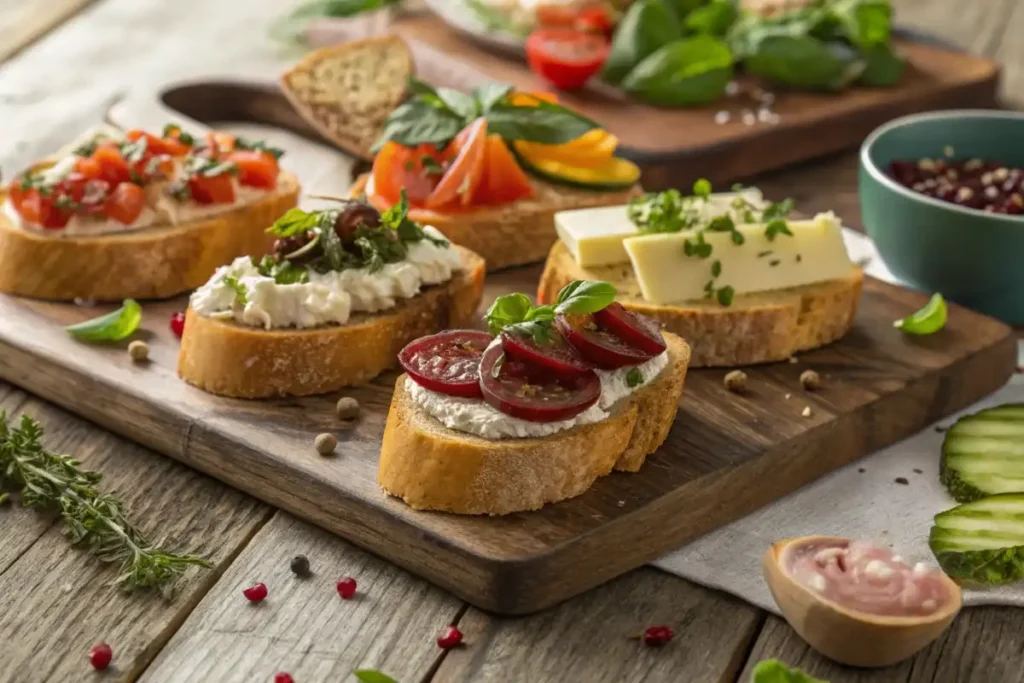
x=517 y=314
x=775 y=671
x=436 y=115
x=93 y=520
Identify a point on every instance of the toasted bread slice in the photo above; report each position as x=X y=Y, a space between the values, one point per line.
x=225 y=358
x=432 y=467
x=346 y=91
x=756 y=328
x=519 y=233
x=150 y=263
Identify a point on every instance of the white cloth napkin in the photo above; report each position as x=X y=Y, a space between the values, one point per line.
x=862 y=500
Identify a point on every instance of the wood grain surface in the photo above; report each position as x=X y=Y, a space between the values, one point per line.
x=22 y=23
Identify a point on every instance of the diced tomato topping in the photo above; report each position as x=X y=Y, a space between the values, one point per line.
x=113 y=167
x=125 y=203
x=503 y=179
x=216 y=189
x=255 y=168
x=175 y=147
x=35 y=208
x=89 y=168
x=16 y=194
x=220 y=142
x=459 y=184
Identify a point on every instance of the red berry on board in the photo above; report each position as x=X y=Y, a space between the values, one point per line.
x=100 y=656
x=347 y=587
x=658 y=635
x=283 y=678
x=449 y=638
x=255 y=593
x=178 y=324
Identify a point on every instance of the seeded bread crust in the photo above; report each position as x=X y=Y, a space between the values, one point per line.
x=432 y=467
x=152 y=263
x=228 y=359
x=756 y=328
x=346 y=91
x=519 y=233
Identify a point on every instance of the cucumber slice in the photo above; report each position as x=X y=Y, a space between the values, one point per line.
x=982 y=541
x=616 y=174
x=983 y=454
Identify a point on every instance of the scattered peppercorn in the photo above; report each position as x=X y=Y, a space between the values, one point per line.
x=861 y=470
x=283 y=678
x=736 y=380
x=100 y=656
x=138 y=350
x=347 y=408
x=658 y=635
x=449 y=638
x=346 y=587
x=300 y=565
x=810 y=380
x=257 y=593
x=902 y=480
x=178 y=324
x=325 y=444
x=917 y=471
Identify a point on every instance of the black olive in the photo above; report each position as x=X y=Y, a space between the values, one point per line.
x=352 y=216
x=287 y=245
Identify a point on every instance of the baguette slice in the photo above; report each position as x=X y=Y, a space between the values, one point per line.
x=347 y=91
x=225 y=358
x=432 y=467
x=519 y=233
x=152 y=263
x=756 y=328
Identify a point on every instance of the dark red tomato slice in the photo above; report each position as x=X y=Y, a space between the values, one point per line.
x=217 y=189
x=555 y=356
x=566 y=57
x=633 y=328
x=448 y=363
x=518 y=390
x=601 y=348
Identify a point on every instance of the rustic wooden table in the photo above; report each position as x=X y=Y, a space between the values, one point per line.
x=65 y=62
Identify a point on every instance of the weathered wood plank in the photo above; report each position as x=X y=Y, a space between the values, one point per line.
x=1010 y=53
x=21 y=22
x=55 y=601
x=304 y=627
x=590 y=638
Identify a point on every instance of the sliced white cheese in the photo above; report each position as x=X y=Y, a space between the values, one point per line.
x=594 y=236
x=814 y=253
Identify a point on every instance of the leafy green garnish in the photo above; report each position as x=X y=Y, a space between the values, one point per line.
x=928 y=320
x=517 y=313
x=647 y=26
x=725 y=295
x=241 y=295
x=294 y=222
x=283 y=272
x=371 y=676
x=776 y=227
x=258 y=146
x=207 y=167
x=110 y=327
x=634 y=378
x=774 y=671
x=683 y=73
x=702 y=188
x=174 y=130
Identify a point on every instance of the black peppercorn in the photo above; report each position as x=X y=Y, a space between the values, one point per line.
x=300 y=565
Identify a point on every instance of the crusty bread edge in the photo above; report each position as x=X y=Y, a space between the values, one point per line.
x=228 y=359
x=152 y=263
x=432 y=467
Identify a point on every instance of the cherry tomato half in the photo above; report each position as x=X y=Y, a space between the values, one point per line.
x=565 y=57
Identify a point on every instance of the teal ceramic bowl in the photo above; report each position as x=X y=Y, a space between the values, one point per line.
x=972 y=257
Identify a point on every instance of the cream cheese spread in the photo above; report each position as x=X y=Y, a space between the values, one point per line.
x=327 y=298
x=476 y=416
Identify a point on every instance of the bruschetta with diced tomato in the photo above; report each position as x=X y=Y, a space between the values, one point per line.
x=138 y=214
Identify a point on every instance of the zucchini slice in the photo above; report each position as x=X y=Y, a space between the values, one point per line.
x=982 y=541
x=616 y=174
x=983 y=454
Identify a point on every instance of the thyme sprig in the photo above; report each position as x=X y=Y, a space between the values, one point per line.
x=93 y=520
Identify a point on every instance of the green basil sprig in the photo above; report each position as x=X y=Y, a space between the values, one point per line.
x=516 y=313
x=687 y=72
x=647 y=26
x=110 y=327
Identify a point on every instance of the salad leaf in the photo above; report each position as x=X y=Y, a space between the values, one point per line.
x=647 y=26
x=110 y=327
x=686 y=72
x=774 y=671
x=884 y=66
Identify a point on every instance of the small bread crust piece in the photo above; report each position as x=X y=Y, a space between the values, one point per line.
x=432 y=467
x=756 y=328
x=151 y=263
x=519 y=233
x=225 y=358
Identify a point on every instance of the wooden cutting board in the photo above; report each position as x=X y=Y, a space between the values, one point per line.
x=677 y=146
x=727 y=454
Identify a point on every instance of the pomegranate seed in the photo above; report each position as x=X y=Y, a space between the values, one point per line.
x=658 y=635
x=347 y=587
x=449 y=638
x=178 y=324
x=256 y=593
x=100 y=656
x=283 y=678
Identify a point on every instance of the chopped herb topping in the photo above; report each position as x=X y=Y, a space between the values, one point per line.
x=172 y=130
x=258 y=146
x=241 y=295
x=774 y=262
x=207 y=167
x=516 y=313
x=716 y=268
x=777 y=226
x=634 y=378
x=725 y=295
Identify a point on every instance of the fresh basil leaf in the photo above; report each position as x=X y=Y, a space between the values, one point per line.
x=865 y=23
x=421 y=87
x=647 y=26
x=294 y=222
x=804 y=62
x=539 y=330
x=110 y=327
x=884 y=66
x=684 y=73
x=489 y=94
x=371 y=676
x=544 y=122
x=713 y=19
x=586 y=296
x=508 y=310
x=459 y=102
x=241 y=295
x=774 y=671
x=418 y=122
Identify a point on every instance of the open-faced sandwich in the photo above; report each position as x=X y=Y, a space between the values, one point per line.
x=532 y=413
x=731 y=273
x=138 y=215
x=344 y=290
